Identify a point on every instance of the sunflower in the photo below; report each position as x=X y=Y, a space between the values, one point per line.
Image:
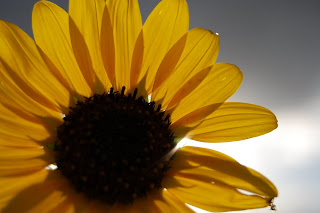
x=93 y=109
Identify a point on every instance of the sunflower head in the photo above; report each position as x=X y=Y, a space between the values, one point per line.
x=114 y=147
x=117 y=149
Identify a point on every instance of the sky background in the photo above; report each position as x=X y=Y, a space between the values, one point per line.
x=276 y=45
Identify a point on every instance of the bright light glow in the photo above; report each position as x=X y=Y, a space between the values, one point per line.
x=51 y=167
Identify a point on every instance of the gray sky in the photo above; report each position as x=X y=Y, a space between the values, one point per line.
x=276 y=45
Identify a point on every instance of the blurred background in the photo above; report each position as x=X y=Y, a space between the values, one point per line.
x=276 y=45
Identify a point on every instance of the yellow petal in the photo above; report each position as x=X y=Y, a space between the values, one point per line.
x=24 y=66
x=200 y=52
x=18 y=161
x=167 y=23
x=169 y=62
x=212 y=166
x=7 y=154
x=87 y=20
x=189 y=86
x=136 y=64
x=82 y=55
x=24 y=129
x=12 y=185
x=222 y=81
x=126 y=22
x=212 y=196
x=19 y=129
x=74 y=203
x=107 y=46
x=22 y=167
x=172 y=200
x=11 y=141
x=40 y=197
x=234 y=121
x=50 y=26
x=160 y=204
x=12 y=96
x=191 y=120
x=12 y=110
x=66 y=207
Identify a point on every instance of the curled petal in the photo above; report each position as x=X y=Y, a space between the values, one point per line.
x=199 y=172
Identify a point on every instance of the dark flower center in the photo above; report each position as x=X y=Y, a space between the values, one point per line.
x=114 y=147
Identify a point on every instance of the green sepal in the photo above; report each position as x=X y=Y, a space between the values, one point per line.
x=50 y=146
x=177 y=140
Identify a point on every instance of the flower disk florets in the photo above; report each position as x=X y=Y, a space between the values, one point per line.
x=114 y=147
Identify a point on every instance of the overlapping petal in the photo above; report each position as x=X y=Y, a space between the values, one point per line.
x=23 y=65
x=13 y=97
x=108 y=51
x=200 y=52
x=73 y=203
x=21 y=161
x=24 y=129
x=86 y=20
x=21 y=129
x=198 y=172
x=12 y=185
x=198 y=193
x=51 y=32
x=213 y=166
x=222 y=81
x=126 y=24
x=177 y=204
x=167 y=23
x=40 y=197
x=169 y=62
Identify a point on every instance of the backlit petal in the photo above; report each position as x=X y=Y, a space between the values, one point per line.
x=51 y=31
x=65 y=206
x=212 y=196
x=169 y=62
x=234 y=121
x=18 y=161
x=126 y=22
x=212 y=166
x=26 y=128
x=73 y=203
x=11 y=141
x=162 y=202
x=21 y=129
x=167 y=23
x=108 y=51
x=13 y=97
x=178 y=204
x=40 y=197
x=87 y=17
x=222 y=81
x=12 y=185
x=188 y=87
x=136 y=64
x=200 y=52
x=24 y=66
